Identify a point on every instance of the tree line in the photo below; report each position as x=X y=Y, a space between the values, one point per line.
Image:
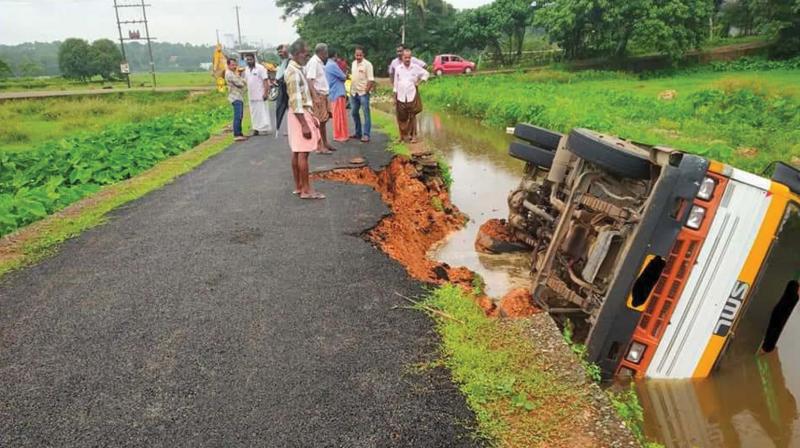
x=581 y=28
x=41 y=58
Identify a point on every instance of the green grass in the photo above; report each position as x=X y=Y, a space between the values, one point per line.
x=747 y=119
x=41 y=239
x=26 y=123
x=164 y=79
x=388 y=125
x=518 y=399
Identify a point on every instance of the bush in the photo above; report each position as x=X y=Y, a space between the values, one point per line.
x=38 y=182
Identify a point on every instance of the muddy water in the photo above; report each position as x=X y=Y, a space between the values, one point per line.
x=749 y=404
x=483 y=176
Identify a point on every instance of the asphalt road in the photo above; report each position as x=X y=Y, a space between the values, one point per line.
x=223 y=311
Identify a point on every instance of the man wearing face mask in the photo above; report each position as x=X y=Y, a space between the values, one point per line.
x=257 y=91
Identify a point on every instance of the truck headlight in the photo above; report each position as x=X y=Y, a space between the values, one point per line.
x=706 y=188
x=636 y=352
x=696 y=215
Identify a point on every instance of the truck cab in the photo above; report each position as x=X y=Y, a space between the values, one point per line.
x=661 y=255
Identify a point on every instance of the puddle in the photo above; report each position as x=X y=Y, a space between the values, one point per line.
x=749 y=404
x=483 y=176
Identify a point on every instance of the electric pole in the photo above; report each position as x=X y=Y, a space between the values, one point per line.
x=405 y=11
x=238 y=28
x=122 y=47
x=135 y=35
x=149 y=47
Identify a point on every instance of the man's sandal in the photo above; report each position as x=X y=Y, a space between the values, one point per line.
x=314 y=195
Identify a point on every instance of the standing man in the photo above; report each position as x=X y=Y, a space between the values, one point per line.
x=318 y=85
x=408 y=103
x=303 y=132
x=257 y=91
x=283 y=98
x=337 y=96
x=399 y=60
x=361 y=84
x=236 y=85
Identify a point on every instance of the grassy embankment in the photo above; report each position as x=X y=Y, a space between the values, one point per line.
x=521 y=380
x=745 y=118
x=165 y=79
x=122 y=158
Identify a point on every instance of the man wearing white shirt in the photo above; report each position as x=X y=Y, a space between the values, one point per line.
x=408 y=103
x=396 y=62
x=257 y=90
x=318 y=86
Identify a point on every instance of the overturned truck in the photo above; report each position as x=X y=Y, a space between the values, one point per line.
x=663 y=255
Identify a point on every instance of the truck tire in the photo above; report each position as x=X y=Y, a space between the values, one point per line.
x=531 y=154
x=541 y=137
x=610 y=153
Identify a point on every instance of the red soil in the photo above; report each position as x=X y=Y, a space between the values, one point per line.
x=493 y=230
x=518 y=303
x=415 y=224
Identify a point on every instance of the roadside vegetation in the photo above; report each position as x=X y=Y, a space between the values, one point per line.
x=138 y=79
x=50 y=175
x=27 y=123
x=37 y=240
x=746 y=113
x=524 y=387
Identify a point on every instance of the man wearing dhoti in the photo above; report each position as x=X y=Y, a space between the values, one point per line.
x=257 y=90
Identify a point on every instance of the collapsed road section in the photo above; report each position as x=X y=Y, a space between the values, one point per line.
x=422 y=214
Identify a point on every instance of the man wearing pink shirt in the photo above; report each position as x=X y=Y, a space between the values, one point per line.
x=408 y=103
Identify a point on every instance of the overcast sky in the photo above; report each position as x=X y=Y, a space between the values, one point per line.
x=193 y=21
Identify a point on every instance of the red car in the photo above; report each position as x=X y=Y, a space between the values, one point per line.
x=451 y=63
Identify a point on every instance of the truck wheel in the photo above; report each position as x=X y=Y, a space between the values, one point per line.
x=541 y=137
x=439 y=72
x=467 y=70
x=610 y=153
x=531 y=154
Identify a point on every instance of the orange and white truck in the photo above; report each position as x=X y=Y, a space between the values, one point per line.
x=670 y=261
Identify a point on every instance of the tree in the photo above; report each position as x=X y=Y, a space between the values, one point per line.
x=28 y=67
x=780 y=19
x=376 y=25
x=741 y=15
x=586 y=28
x=5 y=70
x=105 y=59
x=352 y=8
x=500 y=24
x=74 y=57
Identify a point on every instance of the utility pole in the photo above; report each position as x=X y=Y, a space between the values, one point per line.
x=238 y=28
x=122 y=46
x=405 y=11
x=149 y=47
x=135 y=35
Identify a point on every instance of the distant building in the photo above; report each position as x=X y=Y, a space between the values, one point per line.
x=205 y=65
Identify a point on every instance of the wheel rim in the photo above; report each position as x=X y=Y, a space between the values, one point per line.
x=438 y=73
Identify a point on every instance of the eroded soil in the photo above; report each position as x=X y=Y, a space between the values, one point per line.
x=421 y=216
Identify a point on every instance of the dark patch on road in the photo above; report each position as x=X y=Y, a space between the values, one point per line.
x=223 y=311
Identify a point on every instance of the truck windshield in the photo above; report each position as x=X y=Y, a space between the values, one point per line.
x=770 y=311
